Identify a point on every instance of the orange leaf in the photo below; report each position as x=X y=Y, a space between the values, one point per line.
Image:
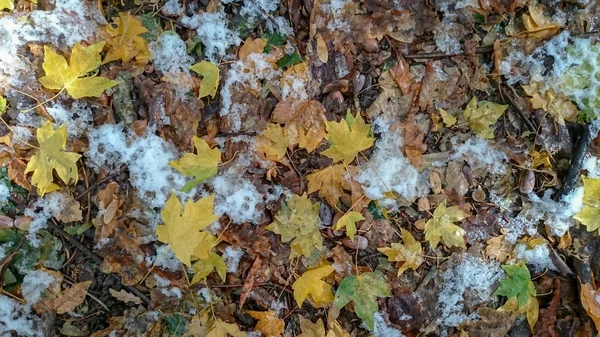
x=269 y=324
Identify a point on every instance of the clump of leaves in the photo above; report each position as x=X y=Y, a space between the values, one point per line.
x=411 y=252
x=74 y=77
x=202 y=165
x=590 y=213
x=347 y=138
x=441 y=227
x=52 y=157
x=482 y=116
x=298 y=221
x=363 y=291
x=310 y=284
x=547 y=99
x=520 y=291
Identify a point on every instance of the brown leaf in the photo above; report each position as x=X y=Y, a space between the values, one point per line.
x=249 y=282
x=401 y=73
x=322 y=52
x=252 y=46
x=124 y=296
x=590 y=304
x=69 y=299
x=414 y=145
x=546 y=326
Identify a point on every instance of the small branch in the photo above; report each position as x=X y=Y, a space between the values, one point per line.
x=583 y=143
x=479 y=50
x=526 y=120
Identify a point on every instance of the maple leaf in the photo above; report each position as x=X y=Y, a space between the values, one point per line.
x=202 y=165
x=590 y=213
x=330 y=183
x=210 y=78
x=6 y=4
x=224 y=329
x=66 y=300
x=268 y=323
x=310 y=284
x=588 y=296
x=310 y=122
x=447 y=118
x=520 y=291
x=482 y=116
x=72 y=77
x=411 y=252
x=273 y=143
x=203 y=267
x=252 y=46
x=441 y=227
x=299 y=221
x=363 y=290
x=348 y=221
x=347 y=137
x=310 y=329
x=182 y=225
x=125 y=42
x=556 y=104
x=52 y=157
x=206 y=242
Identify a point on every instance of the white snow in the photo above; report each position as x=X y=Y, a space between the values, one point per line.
x=170 y=57
x=232 y=256
x=163 y=286
x=213 y=32
x=236 y=197
x=78 y=117
x=166 y=259
x=42 y=210
x=538 y=257
x=480 y=154
x=173 y=7
x=18 y=318
x=591 y=165
x=35 y=284
x=4 y=193
x=382 y=328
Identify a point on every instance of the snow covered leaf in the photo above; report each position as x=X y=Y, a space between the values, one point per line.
x=590 y=303
x=482 y=116
x=520 y=292
x=125 y=297
x=203 y=267
x=273 y=143
x=182 y=225
x=556 y=104
x=224 y=329
x=411 y=252
x=441 y=227
x=6 y=4
x=202 y=165
x=363 y=290
x=210 y=78
x=125 y=42
x=73 y=77
x=590 y=214
x=348 y=221
x=67 y=300
x=330 y=183
x=268 y=323
x=310 y=329
x=348 y=137
x=51 y=157
x=310 y=284
x=299 y=221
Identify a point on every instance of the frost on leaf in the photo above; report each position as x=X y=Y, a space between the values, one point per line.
x=73 y=77
x=182 y=226
x=482 y=116
x=411 y=252
x=441 y=227
x=51 y=157
x=590 y=214
x=347 y=138
x=202 y=165
x=310 y=284
x=298 y=221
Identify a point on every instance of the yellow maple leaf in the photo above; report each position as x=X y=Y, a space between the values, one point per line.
x=268 y=323
x=224 y=329
x=273 y=143
x=310 y=284
x=72 y=76
x=52 y=157
x=298 y=220
x=210 y=78
x=482 y=116
x=182 y=225
x=441 y=227
x=447 y=118
x=202 y=165
x=125 y=42
x=347 y=138
x=348 y=221
x=537 y=25
x=330 y=183
x=206 y=242
x=6 y=4
x=556 y=104
x=252 y=46
x=411 y=252
x=203 y=267
x=310 y=329
x=310 y=122
x=590 y=213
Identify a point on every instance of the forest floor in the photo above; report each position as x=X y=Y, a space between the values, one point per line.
x=304 y=168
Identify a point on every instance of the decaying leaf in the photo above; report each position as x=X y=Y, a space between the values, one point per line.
x=347 y=138
x=124 y=296
x=252 y=46
x=182 y=225
x=520 y=292
x=348 y=221
x=590 y=214
x=224 y=329
x=310 y=284
x=124 y=40
x=363 y=291
x=273 y=143
x=441 y=227
x=448 y=119
x=330 y=182
x=536 y=24
x=589 y=301
x=202 y=165
x=67 y=300
x=52 y=157
x=482 y=116
x=411 y=252
x=310 y=329
x=210 y=78
x=72 y=77
x=268 y=323
x=556 y=104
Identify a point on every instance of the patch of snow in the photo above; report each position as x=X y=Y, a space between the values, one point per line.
x=591 y=165
x=538 y=257
x=382 y=328
x=173 y=7
x=236 y=197
x=170 y=57
x=4 y=192
x=163 y=286
x=78 y=117
x=232 y=256
x=258 y=9
x=18 y=318
x=278 y=307
x=35 y=284
x=337 y=22
x=213 y=32
x=480 y=154
x=42 y=210
x=166 y=259
x=558 y=214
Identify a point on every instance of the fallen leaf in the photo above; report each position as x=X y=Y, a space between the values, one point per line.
x=347 y=138
x=401 y=73
x=310 y=329
x=537 y=25
x=330 y=183
x=6 y=4
x=520 y=291
x=590 y=303
x=52 y=157
x=202 y=165
x=224 y=329
x=348 y=221
x=124 y=296
x=590 y=213
x=182 y=226
x=210 y=78
x=482 y=116
x=322 y=52
x=310 y=284
x=252 y=46
x=273 y=143
x=203 y=267
x=67 y=300
x=411 y=252
x=447 y=118
x=73 y=77
x=310 y=122
x=125 y=42
x=441 y=227
x=556 y=104
x=268 y=323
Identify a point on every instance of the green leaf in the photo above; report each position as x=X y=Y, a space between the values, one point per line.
x=363 y=290
x=152 y=24
x=518 y=284
x=274 y=39
x=175 y=324
x=289 y=60
x=2 y=105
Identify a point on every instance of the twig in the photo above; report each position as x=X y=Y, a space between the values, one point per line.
x=479 y=50
x=583 y=143
x=96 y=259
x=94 y=185
x=526 y=120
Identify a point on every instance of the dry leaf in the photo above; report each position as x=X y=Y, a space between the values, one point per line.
x=252 y=46
x=67 y=300
x=124 y=296
x=268 y=323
